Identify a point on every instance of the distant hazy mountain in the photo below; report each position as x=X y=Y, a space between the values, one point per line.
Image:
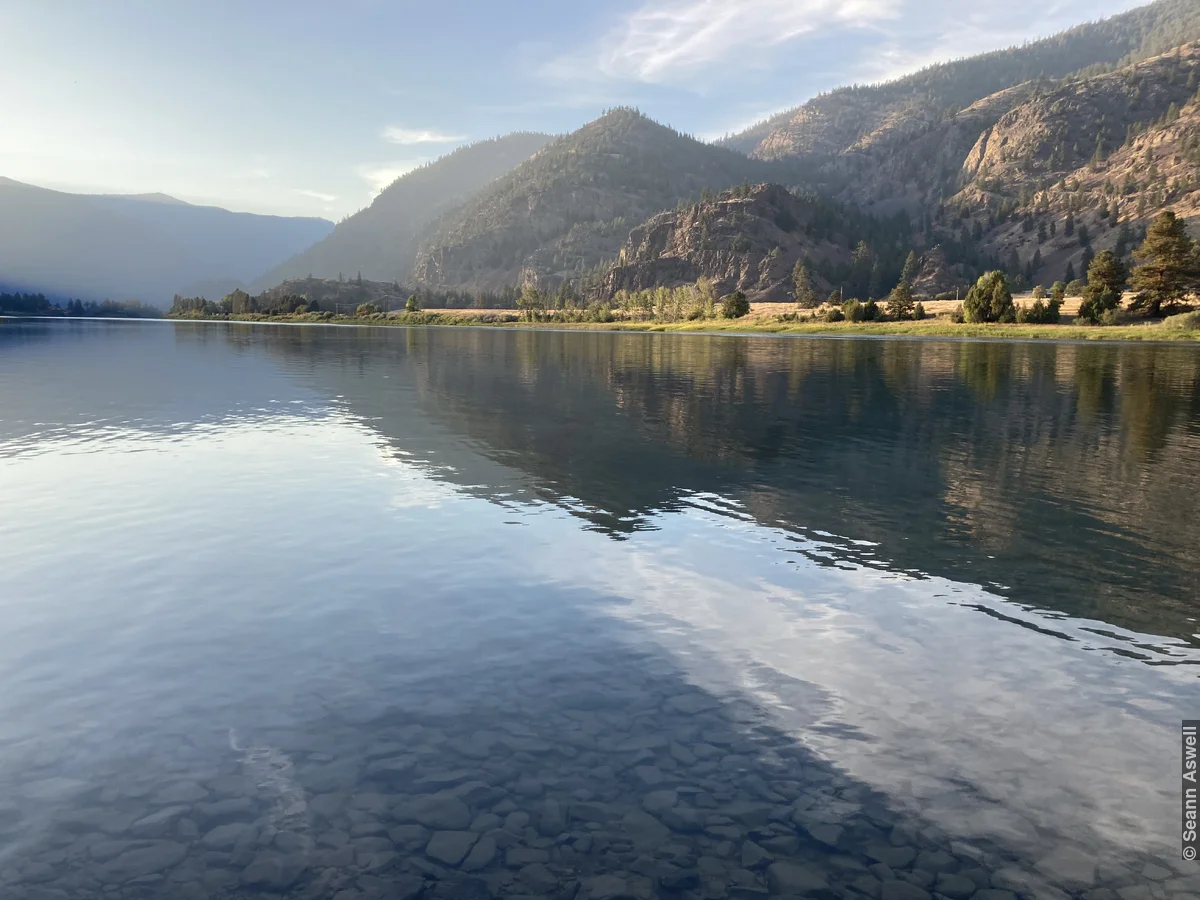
x=572 y=205
x=145 y=247
x=380 y=242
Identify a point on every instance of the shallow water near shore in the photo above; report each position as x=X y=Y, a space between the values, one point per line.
x=380 y=613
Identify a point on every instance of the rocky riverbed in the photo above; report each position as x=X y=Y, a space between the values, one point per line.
x=606 y=782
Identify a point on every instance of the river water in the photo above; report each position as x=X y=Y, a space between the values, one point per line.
x=317 y=612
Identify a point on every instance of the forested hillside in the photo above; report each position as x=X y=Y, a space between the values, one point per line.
x=572 y=205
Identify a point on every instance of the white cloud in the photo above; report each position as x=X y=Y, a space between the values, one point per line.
x=380 y=175
x=394 y=134
x=695 y=44
x=316 y=195
x=670 y=40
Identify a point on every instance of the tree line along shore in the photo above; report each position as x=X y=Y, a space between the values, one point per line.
x=1152 y=300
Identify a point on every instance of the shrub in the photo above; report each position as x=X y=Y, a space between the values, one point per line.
x=1076 y=288
x=853 y=311
x=735 y=305
x=1040 y=313
x=871 y=311
x=1096 y=304
x=598 y=312
x=1189 y=321
x=834 y=314
x=1039 y=293
x=412 y=304
x=366 y=309
x=957 y=316
x=918 y=312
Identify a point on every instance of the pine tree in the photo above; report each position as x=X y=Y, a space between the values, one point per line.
x=1167 y=269
x=1070 y=274
x=912 y=267
x=900 y=302
x=1106 y=279
x=806 y=297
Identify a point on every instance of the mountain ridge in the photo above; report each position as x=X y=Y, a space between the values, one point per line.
x=380 y=240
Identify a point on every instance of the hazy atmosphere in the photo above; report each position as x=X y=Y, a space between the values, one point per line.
x=646 y=450
x=310 y=108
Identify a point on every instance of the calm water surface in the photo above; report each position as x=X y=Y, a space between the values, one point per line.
x=388 y=613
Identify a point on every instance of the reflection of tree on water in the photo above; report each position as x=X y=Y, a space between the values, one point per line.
x=1064 y=472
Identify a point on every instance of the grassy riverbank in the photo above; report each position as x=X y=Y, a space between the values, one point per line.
x=1175 y=329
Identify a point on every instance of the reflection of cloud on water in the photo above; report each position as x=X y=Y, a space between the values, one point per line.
x=987 y=729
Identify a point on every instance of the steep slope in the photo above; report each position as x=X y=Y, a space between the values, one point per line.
x=838 y=121
x=380 y=241
x=142 y=248
x=1082 y=168
x=914 y=165
x=570 y=206
x=1058 y=131
x=744 y=239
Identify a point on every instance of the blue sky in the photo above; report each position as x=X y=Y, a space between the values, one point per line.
x=298 y=107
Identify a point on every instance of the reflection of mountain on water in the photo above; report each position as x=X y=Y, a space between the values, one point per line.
x=1064 y=476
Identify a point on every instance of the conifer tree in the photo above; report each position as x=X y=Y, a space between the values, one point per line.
x=806 y=297
x=900 y=302
x=1106 y=278
x=1167 y=269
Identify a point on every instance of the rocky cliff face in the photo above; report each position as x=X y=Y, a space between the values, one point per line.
x=748 y=239
x=836 y=122
x=1056 y=132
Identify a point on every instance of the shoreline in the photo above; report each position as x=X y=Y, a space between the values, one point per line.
x=933 y=329
x=930 y=328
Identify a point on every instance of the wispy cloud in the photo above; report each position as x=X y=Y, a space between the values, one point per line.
x=316 y=195
x=394 y=134
x=380 y=175
x=669 y=40
x=703 y=44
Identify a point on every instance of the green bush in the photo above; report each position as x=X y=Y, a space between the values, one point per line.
x=735 y=305
x=1096 y=304
x=990 y=300
x=957 y=316
x=834 y=314
x=853 y=311
x=1188 y=321
x=918 y=312
x=412 y=304
x=366 y=309
x=1040 y=312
